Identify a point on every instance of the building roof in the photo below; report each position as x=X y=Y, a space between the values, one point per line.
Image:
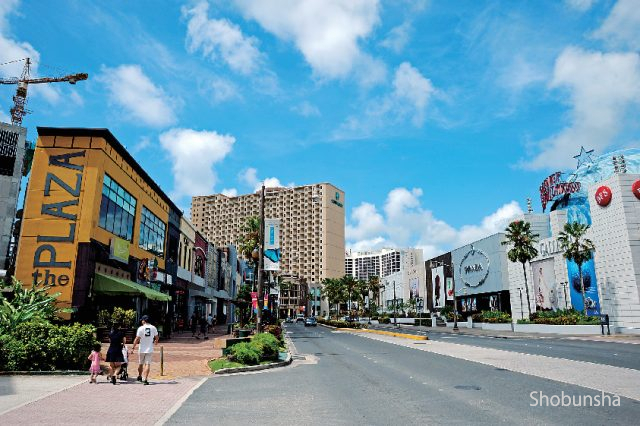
x=120 y=149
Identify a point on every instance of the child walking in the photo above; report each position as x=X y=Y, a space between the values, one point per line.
x=95 y=358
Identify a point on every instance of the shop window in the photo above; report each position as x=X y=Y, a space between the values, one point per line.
x=117 y=209
x=152 y=233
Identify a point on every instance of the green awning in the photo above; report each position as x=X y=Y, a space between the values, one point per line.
x=114 y=286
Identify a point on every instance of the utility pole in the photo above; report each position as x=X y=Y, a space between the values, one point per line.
x=260 y=264
x=395 y=306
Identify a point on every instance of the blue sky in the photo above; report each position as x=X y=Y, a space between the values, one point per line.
x=437 y=118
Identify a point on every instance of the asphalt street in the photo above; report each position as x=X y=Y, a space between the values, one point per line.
x=344 y=378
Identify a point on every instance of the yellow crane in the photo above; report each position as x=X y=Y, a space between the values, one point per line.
x=20 y=99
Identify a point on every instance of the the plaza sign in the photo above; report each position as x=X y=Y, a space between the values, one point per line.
x=474 y=268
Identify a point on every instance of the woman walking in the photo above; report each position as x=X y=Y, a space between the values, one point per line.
x=114 y=353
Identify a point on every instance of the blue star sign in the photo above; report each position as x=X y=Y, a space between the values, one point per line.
x=584 y=157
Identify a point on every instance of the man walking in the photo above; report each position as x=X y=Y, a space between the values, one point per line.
x=147 y=336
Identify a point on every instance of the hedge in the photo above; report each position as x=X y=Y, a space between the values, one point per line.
x=492 y=317
x=561 y=317
x=266 y=345
x=42 y=346
x=341 y=324
x=244 y=353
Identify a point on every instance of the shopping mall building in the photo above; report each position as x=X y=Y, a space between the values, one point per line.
x=603 y=192
x=101 y=232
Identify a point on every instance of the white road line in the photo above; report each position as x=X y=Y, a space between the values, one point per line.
x=179 y=403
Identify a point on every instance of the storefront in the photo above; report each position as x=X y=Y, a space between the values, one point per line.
x=94 y=226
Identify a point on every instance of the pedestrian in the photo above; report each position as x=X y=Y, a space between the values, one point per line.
x=95 y=358
x=193 y=323
x=146 y=336
x=114 y=353
x=203 y=328
x=210 y=322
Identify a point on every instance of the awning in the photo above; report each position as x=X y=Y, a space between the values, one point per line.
x=113 y=286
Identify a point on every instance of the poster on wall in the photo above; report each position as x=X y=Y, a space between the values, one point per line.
x=272 y=253
x=449 y=286
x=590 y=287
x=544 y=285
x=413 y=285
x=493 y=303
x=437 y=278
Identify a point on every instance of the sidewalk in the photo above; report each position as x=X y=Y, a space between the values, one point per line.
x=614 y=338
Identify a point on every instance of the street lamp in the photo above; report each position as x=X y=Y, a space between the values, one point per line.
x=435 y=264
x=564 y=286
x=395 y=306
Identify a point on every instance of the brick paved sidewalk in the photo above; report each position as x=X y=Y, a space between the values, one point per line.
x=184 y=356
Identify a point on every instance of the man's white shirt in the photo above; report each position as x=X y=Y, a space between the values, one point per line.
x=147 y=333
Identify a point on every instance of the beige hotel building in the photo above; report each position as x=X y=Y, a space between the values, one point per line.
x=311 y=228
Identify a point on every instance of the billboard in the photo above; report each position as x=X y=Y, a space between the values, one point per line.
x=437 y=279
x=449 y=281
x=272 y=252
x=590 y=287
x=413 y=286
x=544 y=285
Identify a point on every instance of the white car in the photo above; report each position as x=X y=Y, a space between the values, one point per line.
x=300 y=317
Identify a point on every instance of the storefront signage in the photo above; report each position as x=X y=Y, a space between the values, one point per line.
x=635 y=188
x=603 y=196
x=65 y=187
x=474 y=267
x=549 y=247
x=119 y=250
x=336 y=200
x=553 y=186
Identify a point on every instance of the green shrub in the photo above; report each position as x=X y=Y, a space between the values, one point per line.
x=42 y=346
x=563 y=317
x=276 y=330
x=266 y=345
x=494 y=317
x=244 y=353
x=385 y=320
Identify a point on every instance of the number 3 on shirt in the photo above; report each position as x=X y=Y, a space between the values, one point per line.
x=147 y=332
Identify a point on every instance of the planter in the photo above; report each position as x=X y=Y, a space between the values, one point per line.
x=130 y=334
x=102 y=334
x=556 y=329
x=497 y=326
x=243 y=332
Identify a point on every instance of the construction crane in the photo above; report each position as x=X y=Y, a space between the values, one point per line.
x=20 y=99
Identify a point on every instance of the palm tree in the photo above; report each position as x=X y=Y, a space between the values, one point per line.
x=351 y=285
x=519 y=234
x=578 y=249
x=374 y=288
x=333 y=291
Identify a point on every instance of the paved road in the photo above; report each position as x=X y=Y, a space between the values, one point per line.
x=351 y=379
x=609 y=353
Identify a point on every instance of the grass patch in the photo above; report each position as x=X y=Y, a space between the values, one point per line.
x=220 y=363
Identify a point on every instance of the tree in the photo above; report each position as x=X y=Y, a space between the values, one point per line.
x=578 y=249
x=28 y=303
x=334 y=292
x=374 y=288
x=519 y=234
x=351 y=285
x=249 y=242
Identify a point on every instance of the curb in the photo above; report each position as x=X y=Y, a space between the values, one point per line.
x=284 y=363
x=388 y=333
x=45 y=373
x=328 y=326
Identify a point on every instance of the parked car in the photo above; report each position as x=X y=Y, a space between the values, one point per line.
x=300 y=317
x=310 y=322
x=289 y=320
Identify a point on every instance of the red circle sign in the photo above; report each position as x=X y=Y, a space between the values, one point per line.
x=603 y=196
x=635 y=188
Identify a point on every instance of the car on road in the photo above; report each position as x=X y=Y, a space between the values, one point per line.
x=310 y=322
x=300 y=317
x=289 y=320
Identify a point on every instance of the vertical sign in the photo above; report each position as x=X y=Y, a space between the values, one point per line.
x=272 y=253
x=449 y=282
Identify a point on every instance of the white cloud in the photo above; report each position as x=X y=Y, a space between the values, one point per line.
x=230 y=192
x=193 y=154
x=143 y=143
x=398 y=37
x=306 y=109
x=621 y=29
x=327 y=32
x=408 y=99
x=220 y=38
x=142 y=101
x=223 y=90
x=580 y=5
x=250 y=178
x=404 y=222
x=601 y=88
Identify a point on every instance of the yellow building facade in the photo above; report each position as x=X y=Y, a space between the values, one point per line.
x=90 y=210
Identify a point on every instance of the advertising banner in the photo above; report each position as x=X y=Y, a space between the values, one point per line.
x=437 y=279
x=544 y=285
x=119 y=250
x=272 y=252
x=590 y=287
x=413 y=285
x=449 y=282
x=254 y=301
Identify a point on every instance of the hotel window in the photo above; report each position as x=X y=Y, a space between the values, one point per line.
x=152 y=231
x=117 y=209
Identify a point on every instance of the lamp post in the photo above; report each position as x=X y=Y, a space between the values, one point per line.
x=260 y=262
x=436 y=263
x=564 y=286
x=521 y=307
